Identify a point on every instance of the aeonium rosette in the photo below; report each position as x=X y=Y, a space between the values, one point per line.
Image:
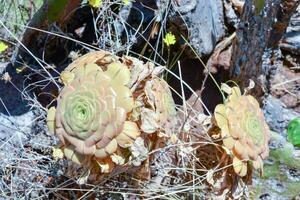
x=244 y=130
x=90 y=117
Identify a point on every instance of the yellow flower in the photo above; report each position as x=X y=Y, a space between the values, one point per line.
x=169 y=39
x=3 y=46
x=95 y=3
x=126 y=2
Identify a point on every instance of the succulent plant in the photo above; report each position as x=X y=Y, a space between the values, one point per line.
x=90 y=118
x=98 y=113
x=160 y=99
x=244 y=131
x=293 y=132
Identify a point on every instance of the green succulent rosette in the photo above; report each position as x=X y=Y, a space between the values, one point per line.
x=90 y=117
x=244 y=130
x=293 y=132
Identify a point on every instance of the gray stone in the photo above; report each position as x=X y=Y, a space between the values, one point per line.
x=205 y=21
x=291 y=39
x=277 y=115
x=24 y=144
x=231 y=17
x=15 y=116
x=12 y=102
x=15 y=127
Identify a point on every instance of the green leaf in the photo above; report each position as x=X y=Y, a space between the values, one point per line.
x=293 y=132
x=55 y=9
x=259 y=5
x=3 y=46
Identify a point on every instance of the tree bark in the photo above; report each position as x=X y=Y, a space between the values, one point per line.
x=283 y=16
x=51 y=11
x=262 y=25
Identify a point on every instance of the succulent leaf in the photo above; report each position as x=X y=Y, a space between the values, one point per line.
x=119 y=73
x=51 y=119
x=71 y=154
x=66 y=77
x=129 y=134
x=239 y=167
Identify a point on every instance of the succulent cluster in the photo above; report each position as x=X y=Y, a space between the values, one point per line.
x=244 y=131
x=99 y=109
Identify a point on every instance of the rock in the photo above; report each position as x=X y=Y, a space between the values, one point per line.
x=231 y=17
x=15 y=116
x=285 y=86
x=23 y=158
x=12 y=102
x=295 y=21
x=205 y=21
x=15 y=128
x=265 y=196
x=277 y=115
x=24 y=144
x=291 y=40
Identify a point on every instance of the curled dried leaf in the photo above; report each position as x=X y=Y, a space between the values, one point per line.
x=139 y=152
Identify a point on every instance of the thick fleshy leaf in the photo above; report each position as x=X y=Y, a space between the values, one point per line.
x=111 y=147
x=71 y=154
x=239 y=167
x=226 y=88
x=100 y=153
x=67 y=77
x=253 y=101
x=108 y=135
x=79 y=145
x=124 y=141
x=131 y=129
x=220 y=115
x=92 y=69
x=241 y=150
x=124 y=97
x=119 y=73
x=229 y=142
x=51 y=119
x=225 y=131
x=258 y=163
x=235 y=94
x=128 y=135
